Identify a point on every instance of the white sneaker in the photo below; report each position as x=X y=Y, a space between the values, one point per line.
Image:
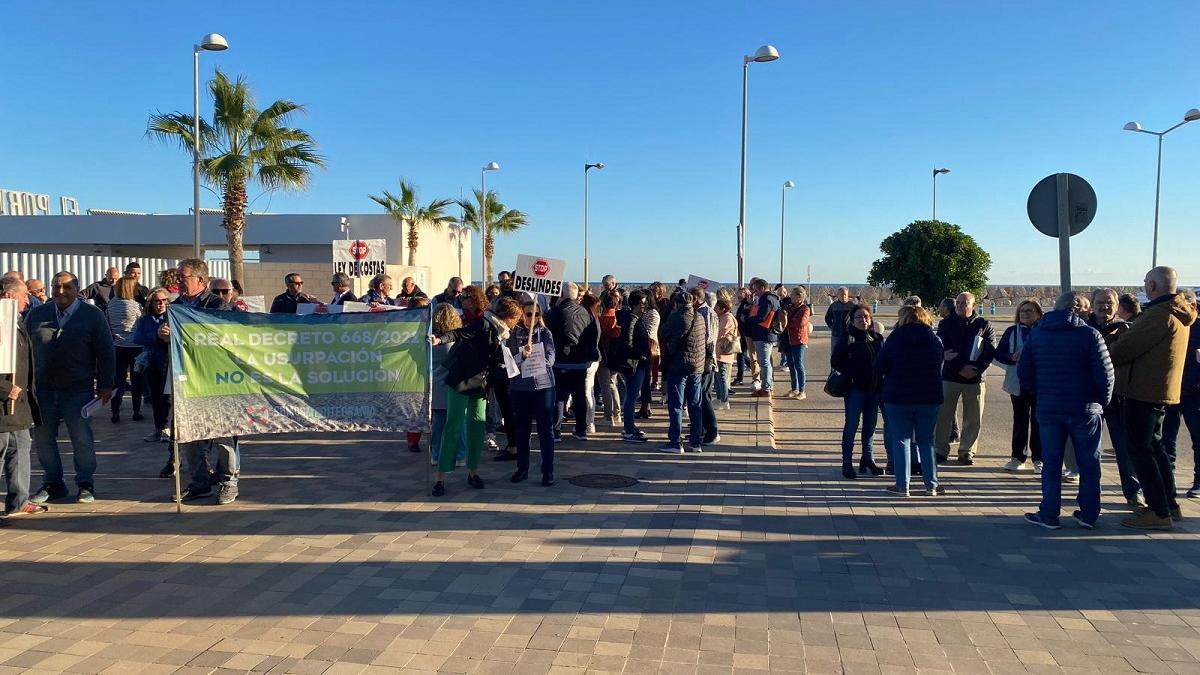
x=591 y=428
x=490 y=442
x=1037 y=467
x=801 y=396
x=695 y=448
x=1014 y=464
x=1071 y=476
x=725 y=405
x=671 y=449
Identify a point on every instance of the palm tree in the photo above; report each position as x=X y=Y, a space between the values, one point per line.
x=405 y=209
x=242 y=144
x=500 y=218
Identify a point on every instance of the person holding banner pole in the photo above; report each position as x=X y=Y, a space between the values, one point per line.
x=532 y=390
x=473 y=364
x=193 y=292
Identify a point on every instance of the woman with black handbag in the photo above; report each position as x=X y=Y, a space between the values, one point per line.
x=854 y=357
x=476 y=358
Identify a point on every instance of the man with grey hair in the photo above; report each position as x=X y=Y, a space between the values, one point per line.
x=1065 y=364
x=74 y=363
x=1149 y=359
x=969 y=345
x=341 y=289
x=1188 y=409
x=1110 y=326
x=20 y=413
x=576 y=345
x=838 y=314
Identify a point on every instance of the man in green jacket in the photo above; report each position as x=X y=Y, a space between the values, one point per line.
x=1149 y=360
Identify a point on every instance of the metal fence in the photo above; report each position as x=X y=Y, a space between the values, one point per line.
x=90 y=268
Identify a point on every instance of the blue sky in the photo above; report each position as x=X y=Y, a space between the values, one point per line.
x=866 y=98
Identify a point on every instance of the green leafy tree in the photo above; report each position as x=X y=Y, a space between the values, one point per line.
x=932 y=259
x=500 y=219
x=407 y=209
x=242 y=144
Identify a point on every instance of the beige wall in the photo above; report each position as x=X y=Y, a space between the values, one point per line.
x=266 y=279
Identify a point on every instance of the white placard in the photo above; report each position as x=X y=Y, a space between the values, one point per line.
x=254 y=303
x=703 y=284
x=534 y=365
x=8 y=336
x=536 y=274
x=358 y=258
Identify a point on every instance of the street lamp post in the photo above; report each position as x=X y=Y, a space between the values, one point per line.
x=782 y=211
x=484 y=218
x=763 y=54
x=935 y=175
x=1190 y=116
x=586 y=168
x=213 y=42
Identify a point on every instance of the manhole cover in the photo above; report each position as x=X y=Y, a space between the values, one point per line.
x=602 y=480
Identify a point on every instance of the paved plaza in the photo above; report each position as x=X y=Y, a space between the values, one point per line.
x=754 y=556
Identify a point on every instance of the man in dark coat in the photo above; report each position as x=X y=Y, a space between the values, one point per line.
x=683 y=353
x=1065 y=365
x=970 y=345
x=285 y=302
x=19 y=414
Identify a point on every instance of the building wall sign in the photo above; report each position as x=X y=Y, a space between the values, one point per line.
x=17 y=203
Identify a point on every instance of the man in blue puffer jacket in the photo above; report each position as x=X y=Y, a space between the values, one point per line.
x=1066 y=365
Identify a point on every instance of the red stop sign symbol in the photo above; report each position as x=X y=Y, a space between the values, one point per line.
x=359 y=249
x=541 y=268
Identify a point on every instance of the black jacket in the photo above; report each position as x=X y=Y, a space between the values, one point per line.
x=683 y=342
x=286 y=304
x=958 y=335
x=576 y=333
x=854 y=355
x=343 y=298
x=910 y=363
x=476 y=351
x=205 y=300
x=1191 y=369
x=25 y=411
x=631 y=349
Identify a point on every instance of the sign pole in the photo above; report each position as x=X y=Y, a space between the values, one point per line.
x=175 y=459
x=1064 y=233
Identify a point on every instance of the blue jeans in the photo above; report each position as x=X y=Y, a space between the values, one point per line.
x=1188 y=410
x=763 y=351
x=64 y=406
x=229 y=463
x=796 y=366
x=722 y=382
x=1130 y=487
x=684 y=390
x=539 y=406
x=633 y=389
x=864 y=405
x=1084 y=432
x=435 y=440
x=14 y=448
x=904 y=424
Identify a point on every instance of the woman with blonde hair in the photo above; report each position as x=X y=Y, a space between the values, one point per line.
x=799 y=327
x=910 y=365
x=1025 y=432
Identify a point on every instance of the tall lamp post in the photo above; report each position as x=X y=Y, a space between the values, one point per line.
x=484 y=217
x=935 y=175
x=1190 y=116
x=586 y=168
x=213 y=42
x=782 y=211
x=763 y=54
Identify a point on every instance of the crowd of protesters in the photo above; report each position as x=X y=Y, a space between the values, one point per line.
x=505 y=363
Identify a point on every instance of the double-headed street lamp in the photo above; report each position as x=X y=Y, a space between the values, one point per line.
x=1190 y=116
x=763 y=54
x=782 y=211
x=935 y=175
x=586 y=168
x=213 y=42
x=483 y=218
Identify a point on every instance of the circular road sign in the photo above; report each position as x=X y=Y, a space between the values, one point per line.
x=1043 y=205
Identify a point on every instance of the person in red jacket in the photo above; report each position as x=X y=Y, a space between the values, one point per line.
x=799 y=326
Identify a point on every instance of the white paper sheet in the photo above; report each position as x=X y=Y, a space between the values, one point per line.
x=510 y=363
x=535 y=364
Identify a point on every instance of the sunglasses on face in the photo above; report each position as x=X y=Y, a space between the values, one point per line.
x=223 y=291
x=530 y=314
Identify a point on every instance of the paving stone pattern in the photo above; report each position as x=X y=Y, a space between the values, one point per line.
x=747 y=558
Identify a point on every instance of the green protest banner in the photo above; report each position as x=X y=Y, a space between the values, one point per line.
x=239 y=373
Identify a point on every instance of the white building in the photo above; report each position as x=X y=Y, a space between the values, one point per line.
x=275 y=245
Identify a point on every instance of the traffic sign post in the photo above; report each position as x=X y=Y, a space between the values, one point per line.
x=1062 y=205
